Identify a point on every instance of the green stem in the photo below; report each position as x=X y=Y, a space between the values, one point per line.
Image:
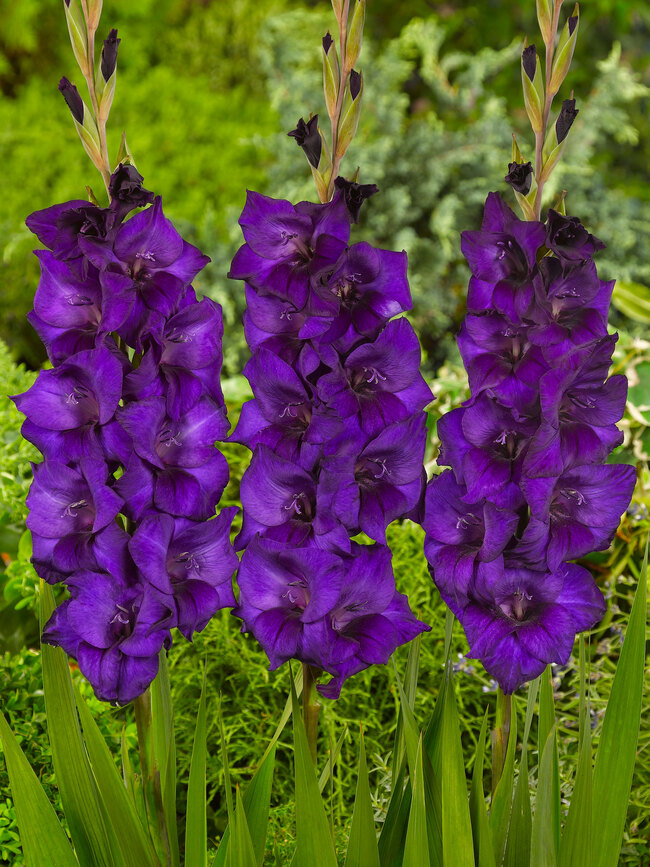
x=345 y=72
x=548 y=101
x=500 y=736
x=310 y=707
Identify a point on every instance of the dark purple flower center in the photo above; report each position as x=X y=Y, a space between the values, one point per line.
x=72 y=509
x=565 y=504
x=167 y=438
x=517 y=607
x=513 y=257
x=122 y=622
x=300 y=506
x=297 y=415
x=467 y=521
x=507 y=443
x=345 y=289
x=368 y=471
x=342 y=617
x=297 y=594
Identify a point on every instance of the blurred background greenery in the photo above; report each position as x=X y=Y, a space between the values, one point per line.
x=207 y=90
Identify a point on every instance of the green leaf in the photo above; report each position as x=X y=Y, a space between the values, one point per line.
x=410 y=688
x=416 y=848
x=520 y=830
x=394 y=827
x=313 y=839
x=243 y=854
x=132 y=838
x=616 y=754
x=362 y=843
x=433 y=800
x=457 y=849
x=334 y=753
x=196 y=833
x=546 y=724
x=502 y=799
x=95 y=843
x=632 y=299
x=164 y=750
x=575 y=844
x=482 y=838
x=411 y=731
x=542 y=845
x=42 y=838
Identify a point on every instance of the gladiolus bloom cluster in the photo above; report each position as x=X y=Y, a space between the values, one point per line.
x=528 y=489
x=126 y=420
x=337 y=431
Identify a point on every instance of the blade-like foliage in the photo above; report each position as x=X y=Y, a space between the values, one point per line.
x=164 y=750
x=482 y=837
x=43 y=839
x=94 y=839
x=501 y=806
x=542 y=844
x=132 y=838
x=362 y=843
x=196 y=834
x=416 y=849
x=313 y=839
x=457 y=848
x=519 y=832
x=615 y=759
x=546 y=724
x=243 y=854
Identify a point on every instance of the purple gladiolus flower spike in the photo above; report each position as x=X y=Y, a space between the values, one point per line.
x=337 y=430
x=126 y=431
x=527 y=489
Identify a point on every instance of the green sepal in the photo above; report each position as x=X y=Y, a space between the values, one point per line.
x=77 y=30
x=355 y=35
x=517 y=156
x=94 y=13
x=349 y=121
x=105 y=91
x=337 y=6
x=564 y=53
x=331 y=78
x=534 y=95
x=552 y=150
x=545 y=19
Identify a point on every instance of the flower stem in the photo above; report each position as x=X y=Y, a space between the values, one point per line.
x=89 y=75
x=310 y=707
x=500 y=736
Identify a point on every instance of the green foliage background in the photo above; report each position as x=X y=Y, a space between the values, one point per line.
x=206 y=93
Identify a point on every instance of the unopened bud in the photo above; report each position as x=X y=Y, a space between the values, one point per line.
x=533 y=86
x=564 y=122
x=350 y=113
x=331 y=74
x=355 y=34
x=109 y=55
x=73 y=100
x=308 y=137
x=337 y=6
x=564 y=53
x=94 y=13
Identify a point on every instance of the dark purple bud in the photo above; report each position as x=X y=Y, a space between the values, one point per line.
x=109 y=55
x=520 y=177
x=355 y=83
x=529 y=60
x=567 y=115
x=308 y=138
x=327 y=42
x=67 y=3
x=355 y=195
x=126 y=190
x=573 y=23
x=72 y=98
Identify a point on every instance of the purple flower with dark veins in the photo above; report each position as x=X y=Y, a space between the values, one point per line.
x=192 y=563
x=519 y=620
x=576 y=513
x=66 y=406
x=284 y=591
x=113 y=631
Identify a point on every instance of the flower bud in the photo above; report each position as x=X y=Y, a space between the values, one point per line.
x=533 y=86
x=350 y=113
x=545 y=19
x=74 y=102
x=556 y=138
x=520 y=177
x=308 y=137
x=337 y=6
x=331 y=73
x=109 y=55
x=564 y=53
x=77 y=30
x=355 y=34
